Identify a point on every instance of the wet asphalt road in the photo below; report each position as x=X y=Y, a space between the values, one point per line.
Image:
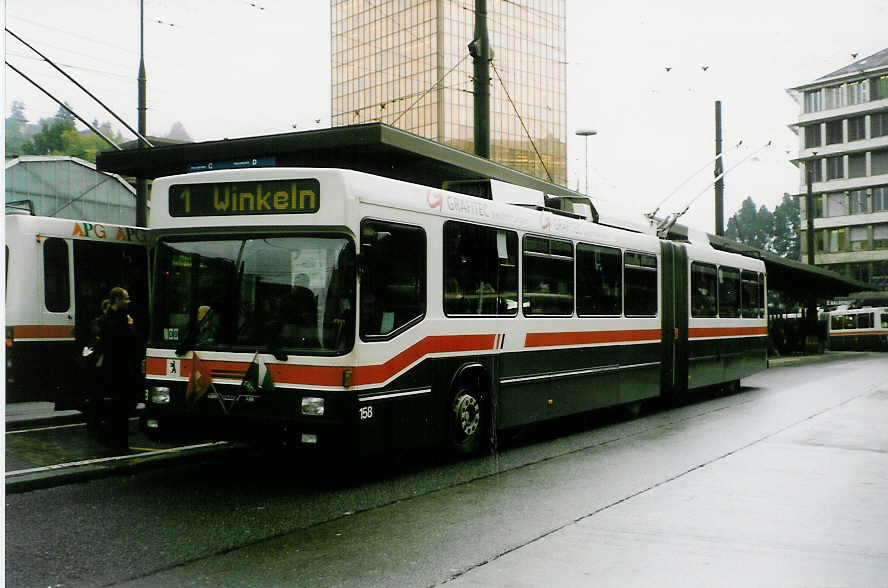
x=781 y=484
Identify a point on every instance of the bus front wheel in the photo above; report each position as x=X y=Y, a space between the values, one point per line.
x=466 y=420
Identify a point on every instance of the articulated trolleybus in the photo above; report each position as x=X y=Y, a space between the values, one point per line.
x=381 y=311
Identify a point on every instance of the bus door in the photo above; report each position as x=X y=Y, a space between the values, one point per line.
x=98 y=267
x=674 y=372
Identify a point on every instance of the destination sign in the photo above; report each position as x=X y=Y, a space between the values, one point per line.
x=244 y=198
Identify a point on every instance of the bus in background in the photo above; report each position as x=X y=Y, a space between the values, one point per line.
x=859 y=329
x=328 y=307
x=58 y=271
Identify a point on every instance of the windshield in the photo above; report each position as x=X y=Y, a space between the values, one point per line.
x=273 y=294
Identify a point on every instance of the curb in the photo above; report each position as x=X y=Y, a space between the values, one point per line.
x=828 y=356
x=87 y=472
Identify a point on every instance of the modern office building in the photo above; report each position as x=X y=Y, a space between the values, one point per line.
x=843 y=145
x=406 y=63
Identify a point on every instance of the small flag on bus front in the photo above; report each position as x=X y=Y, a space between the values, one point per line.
x=251 y=382
x=199 y=380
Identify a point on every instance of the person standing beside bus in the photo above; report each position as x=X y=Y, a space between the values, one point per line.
x=91 y=364
x=124 y=351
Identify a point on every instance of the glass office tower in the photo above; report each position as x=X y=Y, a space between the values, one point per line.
x=388 y=55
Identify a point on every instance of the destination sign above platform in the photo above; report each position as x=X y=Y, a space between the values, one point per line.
x=245 y=198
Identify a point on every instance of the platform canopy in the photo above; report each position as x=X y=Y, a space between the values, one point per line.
x=374 y=148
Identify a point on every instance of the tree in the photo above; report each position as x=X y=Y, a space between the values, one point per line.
x=179 y=133
x=15 y=125
x=787 y=224
x=777 y=232
x=59 y=136
x=751 y=226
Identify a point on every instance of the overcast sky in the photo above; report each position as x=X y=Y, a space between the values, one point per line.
x=232 y=68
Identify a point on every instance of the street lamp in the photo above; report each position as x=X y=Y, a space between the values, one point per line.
x=587 y=133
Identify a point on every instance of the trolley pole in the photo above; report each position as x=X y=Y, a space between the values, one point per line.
x=479 y=49
x=142 y=183
x=720 y=181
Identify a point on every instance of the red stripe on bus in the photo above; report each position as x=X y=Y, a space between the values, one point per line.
x=726 y=332
x=860 y=332
x=589 y=337
x=42 y=331
x=316 y=375
x=374 y=374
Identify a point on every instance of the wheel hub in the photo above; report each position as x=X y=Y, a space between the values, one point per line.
x=468 y=414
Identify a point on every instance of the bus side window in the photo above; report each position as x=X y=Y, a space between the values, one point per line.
x=640 y=277
x=56 y=284
x=480 y=268
x=704 y=301
x=393 y=277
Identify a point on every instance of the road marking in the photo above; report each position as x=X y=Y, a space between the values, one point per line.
x=99 y=460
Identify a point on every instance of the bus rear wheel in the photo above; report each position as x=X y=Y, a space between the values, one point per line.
x=466 y=421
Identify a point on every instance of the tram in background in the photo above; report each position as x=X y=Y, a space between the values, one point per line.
x=58 y=271
x=329 y=307
x=859 y=329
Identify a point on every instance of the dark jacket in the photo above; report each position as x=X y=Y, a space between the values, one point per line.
x=123 y=350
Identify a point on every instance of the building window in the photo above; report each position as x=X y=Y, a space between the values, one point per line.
x=857 y=165
x=879 y=162
x=834 y=168
x=879 y=124
x=815 y=169
x=880 y=236
x=879 y=87
x=857 y=201
x=833 y=132
x=820 y=241
x=854 y=90
x=832 y=97
x=835 y=204
x=880 y=198
x=838 y=240
x=812 y=136
x=859 y=238
x=812 y=101
x=857 y=128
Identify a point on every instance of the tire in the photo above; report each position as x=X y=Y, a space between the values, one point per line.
x=467 y=416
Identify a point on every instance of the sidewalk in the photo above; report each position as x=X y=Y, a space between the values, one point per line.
x=28 y=414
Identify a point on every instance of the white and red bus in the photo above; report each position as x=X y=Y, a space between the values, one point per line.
x=385 y=311
x=58 y=271
x=859 y=329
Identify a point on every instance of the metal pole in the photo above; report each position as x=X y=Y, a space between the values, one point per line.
x=809 y=237
x=586 y=133
x=809 y=213
x=480 y=50
x=720 y=182
x=142 y=183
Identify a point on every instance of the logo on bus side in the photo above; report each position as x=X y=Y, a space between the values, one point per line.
x=98 y=231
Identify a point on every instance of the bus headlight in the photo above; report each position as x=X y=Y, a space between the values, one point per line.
x=312 y=406
x=159 y=395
